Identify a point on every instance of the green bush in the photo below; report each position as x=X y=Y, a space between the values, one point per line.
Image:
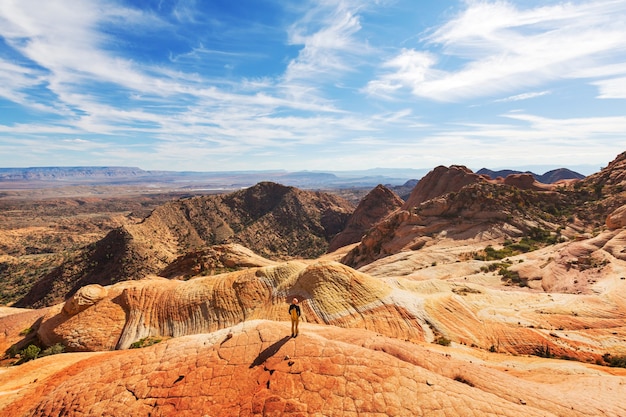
x=443 y=341
x=53 y=350
x=145 y=342
x=29 y=353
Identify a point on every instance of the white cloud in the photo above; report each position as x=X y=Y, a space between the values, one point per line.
x=502 y=49
x=523 y=96
x=327 y=35
x=612 y=88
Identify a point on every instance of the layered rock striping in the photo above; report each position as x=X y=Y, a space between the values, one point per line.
x=253 y=369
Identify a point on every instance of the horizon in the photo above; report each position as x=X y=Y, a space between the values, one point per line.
x=312 y=86
x=585 y=170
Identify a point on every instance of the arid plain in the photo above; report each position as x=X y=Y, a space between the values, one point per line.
x=468 y=296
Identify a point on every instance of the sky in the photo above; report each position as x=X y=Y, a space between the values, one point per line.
x=324 y=85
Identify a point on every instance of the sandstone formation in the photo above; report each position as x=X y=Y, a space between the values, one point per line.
x=480 y=210
x=440 y=181
x=254 y=369
x=213 y=260
x=526 y=182
x=617 y=219
x=402 y=296
x=374 y=207
x=332 y=293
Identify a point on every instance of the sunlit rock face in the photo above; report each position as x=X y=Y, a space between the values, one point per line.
x=374 y=207
x=124 y=313
x=617 y=219
x=256 y=369
x=439 y=181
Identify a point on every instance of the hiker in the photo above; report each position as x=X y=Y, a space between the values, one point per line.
x=294 y=312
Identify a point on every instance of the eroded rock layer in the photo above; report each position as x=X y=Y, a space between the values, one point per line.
x=254 y=369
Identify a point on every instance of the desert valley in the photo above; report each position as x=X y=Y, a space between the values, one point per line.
x=461 y=294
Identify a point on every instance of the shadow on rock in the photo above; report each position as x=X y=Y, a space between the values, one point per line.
x=269 y=352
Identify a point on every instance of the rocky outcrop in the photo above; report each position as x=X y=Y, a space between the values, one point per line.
x=440 y=181
x=255 y=369
x=526 y=182
x=331 y=293
x=213 y=260
x=375 y=206
x=611 y=176
x=84 y=298
x=617 y=219
x=480 y=210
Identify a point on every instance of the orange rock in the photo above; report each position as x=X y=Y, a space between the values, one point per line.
x=325 y=371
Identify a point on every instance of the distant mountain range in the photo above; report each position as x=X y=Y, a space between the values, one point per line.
x=549 y=177
x=191 y=180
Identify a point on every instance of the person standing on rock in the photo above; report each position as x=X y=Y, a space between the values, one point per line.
x=294 y=312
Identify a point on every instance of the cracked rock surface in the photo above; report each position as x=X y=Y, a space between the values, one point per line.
x=256 y=369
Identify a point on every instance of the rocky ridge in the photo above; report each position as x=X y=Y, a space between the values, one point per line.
x=270 y=219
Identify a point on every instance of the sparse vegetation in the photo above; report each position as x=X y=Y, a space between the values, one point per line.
x=465 y=290
x=543 y=352
x=29 y=353
x=26 y=331
x=614 y=361
x=53 y=350
x=443 y=341
x=536 y=239
x=145 y=342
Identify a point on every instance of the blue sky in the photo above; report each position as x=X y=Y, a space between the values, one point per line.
x=325 y=85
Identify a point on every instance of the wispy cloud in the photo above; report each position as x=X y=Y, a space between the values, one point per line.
x=523 y=96
x=502 y=48
x=326 y=34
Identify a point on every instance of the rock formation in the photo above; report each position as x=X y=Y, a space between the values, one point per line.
x=416 y=320
x=270 y=219
x=332 y=293
x=254 y=369
x=374 y=207
x=440 y=181
x=526 y=182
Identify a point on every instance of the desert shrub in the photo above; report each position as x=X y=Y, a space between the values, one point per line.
x=53 y=350
x=522 y=247
x=614 y=361
x=145 y=342
x=29 y=353
x=497 y=254
x=443 y=341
